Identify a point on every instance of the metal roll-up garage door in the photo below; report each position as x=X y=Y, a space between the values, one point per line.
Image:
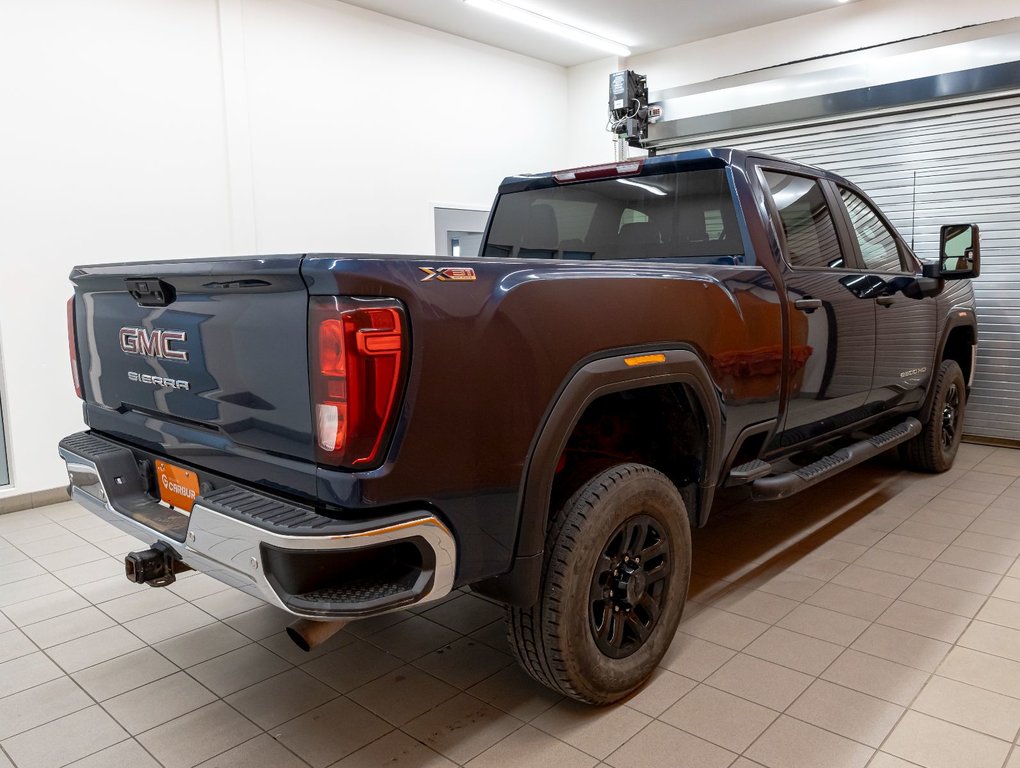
x=925 y=168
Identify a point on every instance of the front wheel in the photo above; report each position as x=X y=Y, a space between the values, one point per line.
x=616 y=572
x=935 y=448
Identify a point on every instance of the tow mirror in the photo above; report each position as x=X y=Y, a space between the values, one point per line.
x=959 y=253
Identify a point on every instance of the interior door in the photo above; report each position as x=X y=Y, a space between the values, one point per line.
x=832 y=329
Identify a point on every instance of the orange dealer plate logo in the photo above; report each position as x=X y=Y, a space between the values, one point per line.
x=178 y=487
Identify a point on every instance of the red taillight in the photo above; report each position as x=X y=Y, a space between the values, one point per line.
x=72 y=348
x=592 y=172
x=357 y=349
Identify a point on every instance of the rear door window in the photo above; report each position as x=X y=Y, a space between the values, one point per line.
x=807 y=222
x=684 y=216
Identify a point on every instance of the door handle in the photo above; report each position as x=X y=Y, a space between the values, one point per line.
x=808 y=305
x=886 y=301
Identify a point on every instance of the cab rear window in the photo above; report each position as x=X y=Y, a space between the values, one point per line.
x=686 y=216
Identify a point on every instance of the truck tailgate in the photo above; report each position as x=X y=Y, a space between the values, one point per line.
x=203 y=361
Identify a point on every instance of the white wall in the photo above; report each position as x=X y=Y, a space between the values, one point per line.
x=181 y=128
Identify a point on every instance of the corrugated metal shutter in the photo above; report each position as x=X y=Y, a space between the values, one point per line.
x=965 y=160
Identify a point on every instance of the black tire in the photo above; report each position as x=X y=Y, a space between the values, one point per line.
x=604 y=619
x=934 y=450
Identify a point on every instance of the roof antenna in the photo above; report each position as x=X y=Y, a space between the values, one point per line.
x=913 y=210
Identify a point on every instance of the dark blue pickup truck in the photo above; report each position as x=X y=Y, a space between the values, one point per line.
x=348 y=434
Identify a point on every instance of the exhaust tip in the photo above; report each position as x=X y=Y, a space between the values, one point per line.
x=298 y=639
x=308 y=633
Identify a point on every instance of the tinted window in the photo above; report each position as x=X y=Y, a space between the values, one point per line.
x=687 y=216
x=878 y=244
x=807 y=222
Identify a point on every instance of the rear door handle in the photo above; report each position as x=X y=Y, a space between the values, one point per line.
x=808 y=305
x=886 y=301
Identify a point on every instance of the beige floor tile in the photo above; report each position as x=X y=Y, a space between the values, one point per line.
x=847 y=712
x=985 y=543
x=198 y=735
x=195 y=586
x=516 y=693
x=662 y=690
x=790 y=743
x=28 y=589
x=65 y=740
x=876 y=677
x=792 y=586
x=542 y=750
x=1008 y=589
x=760 y=681
x=158 y=702
x=126 y=753
x=885 y=760
x=238 y=669
x=394 y=750
x=123 y=673
x=893 y=562
x=755 y=604
x=465 y=613
x=259 y=623
x=993 y=639
x=869 y=580
x=853 y=602
x=45 y=607
x=982 y=670
x=976 y=559
x=720 y=717
x=11 y=572
x=794 y=650
x=944 y=518
x=824 y=624
x=41 y=704
x=318 y=737
x=463 y=727
x=168 y=623
x=1003 y=612
x=597 y=731
x=971 y=707
x=859 y=533
x=82 y=553
x=646 y=750
x=227 y=603
x=1014 y=759
x=261 y=752
x=906 y=648
x=100 y=590
x=25 y=672
x=351 y=666
x=695 y=658
x=991 y=526
x=139 y=603
x=842 y=551
x=821 y=567
x=413 y=638
x=928 y=622
x=493 y=635
x=85 y=573
x=15 y=643
x=722 y=628
x=402 y=695
x=948 y=575
x=928 y=532
x=464 y=662
x=280 y=698
x=201 y=644
x=93 y=649
x=71 y=626
x=938 y=744
x=64 y=540
x=365 y=627
x=943 y=598
x=909 y=545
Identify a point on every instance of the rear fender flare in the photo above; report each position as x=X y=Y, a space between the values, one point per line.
x=590 y=382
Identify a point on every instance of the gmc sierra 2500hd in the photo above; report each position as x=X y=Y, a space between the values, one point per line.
x=345 y=435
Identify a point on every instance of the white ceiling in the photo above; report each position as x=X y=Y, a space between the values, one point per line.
x=642 y=25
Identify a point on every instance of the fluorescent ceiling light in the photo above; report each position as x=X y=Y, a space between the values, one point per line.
x=545 y=24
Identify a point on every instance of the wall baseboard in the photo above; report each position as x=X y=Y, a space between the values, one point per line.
x=22 y=501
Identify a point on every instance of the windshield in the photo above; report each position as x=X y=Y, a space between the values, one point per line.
x=686 y=216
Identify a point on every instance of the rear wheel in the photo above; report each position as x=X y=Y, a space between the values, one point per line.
x=614 y=585
x=935 y=448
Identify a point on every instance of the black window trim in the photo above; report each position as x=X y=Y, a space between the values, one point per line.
x=851 y=256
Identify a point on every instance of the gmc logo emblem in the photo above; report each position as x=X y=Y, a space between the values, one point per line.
x=154 y=343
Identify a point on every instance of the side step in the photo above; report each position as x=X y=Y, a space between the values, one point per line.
x=789 y=483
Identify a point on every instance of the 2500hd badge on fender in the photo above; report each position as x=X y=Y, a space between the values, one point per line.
x=545 y=423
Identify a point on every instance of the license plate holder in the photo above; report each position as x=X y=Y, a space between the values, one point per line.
x=178 y=487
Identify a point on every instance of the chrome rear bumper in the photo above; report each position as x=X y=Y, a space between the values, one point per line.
x=242 y=553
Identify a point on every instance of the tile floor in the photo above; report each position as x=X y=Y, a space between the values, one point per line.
x=874 y=620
